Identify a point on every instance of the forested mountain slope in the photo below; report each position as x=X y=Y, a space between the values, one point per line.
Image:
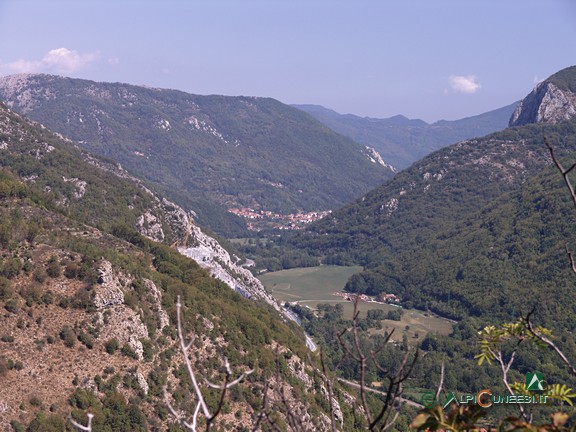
x=477 y=228
x=208 y=153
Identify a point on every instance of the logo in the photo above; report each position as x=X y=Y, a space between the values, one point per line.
x=449 y=399
x=535 y=381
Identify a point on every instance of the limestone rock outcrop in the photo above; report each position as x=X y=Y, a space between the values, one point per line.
x=547 y=103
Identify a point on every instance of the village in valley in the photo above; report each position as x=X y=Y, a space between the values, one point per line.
x=261 y=219
x=380 y=298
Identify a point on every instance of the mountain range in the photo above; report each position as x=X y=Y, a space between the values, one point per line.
x=402 y=141
x=207 y=153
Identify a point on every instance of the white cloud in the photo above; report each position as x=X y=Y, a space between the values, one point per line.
x=464 y=84
x=60 y=60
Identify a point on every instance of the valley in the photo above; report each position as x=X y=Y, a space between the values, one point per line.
x=308 y=287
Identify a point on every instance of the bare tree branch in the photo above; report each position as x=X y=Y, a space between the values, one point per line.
x=548 y=342
x=441 y=383
x=87 y=428
x=201 y=406
x=563 y=171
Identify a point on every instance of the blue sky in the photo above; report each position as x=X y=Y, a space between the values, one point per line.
x=429 y=59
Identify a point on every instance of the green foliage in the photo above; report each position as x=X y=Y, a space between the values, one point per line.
x=395 y=315
x=75 y=234
x=461 y=418
x=68 y=335
x=53 y=267
x=86 y=339
x=12 y=305
x=11 y=267
x=6 y=289
x=565 y=79
x=472 y=418
x=43 y=423
x=112 y=346
x=561 y=392
x=492 y=338
x=111 y=414
x=129 y=352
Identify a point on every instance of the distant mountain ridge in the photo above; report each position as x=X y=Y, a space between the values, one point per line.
x=402 y=141
x=208 y=153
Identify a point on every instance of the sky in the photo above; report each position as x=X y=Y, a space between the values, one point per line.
x=427 y=59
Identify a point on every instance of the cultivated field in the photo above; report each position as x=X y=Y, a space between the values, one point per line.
x=308 y=284
x=314 y=285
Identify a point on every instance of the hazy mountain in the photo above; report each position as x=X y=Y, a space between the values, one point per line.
x=88 y=297
x=402 y=141
x=477 y=228
x=208 y=153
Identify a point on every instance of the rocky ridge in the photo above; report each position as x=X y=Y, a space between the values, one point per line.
x=547 y=103
x=205 y=250
x=209 y=254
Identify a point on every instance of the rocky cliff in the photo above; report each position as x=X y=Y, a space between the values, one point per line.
x=551 y=101
x=165 y=215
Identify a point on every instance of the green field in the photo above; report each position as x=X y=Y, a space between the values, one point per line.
x=309 y=283
x=314 y=285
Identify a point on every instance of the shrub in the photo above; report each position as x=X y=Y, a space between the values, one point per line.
x=129 y=352
x=394 y=315
x=72 y=270
x=47 y=298
x=17 y=426
x=52 y=423
x=4 y=367
x=83 y=299
x=64 y=302
x=112 y=346
x=40 y=275
x=11 y=268
x=86 y=339
x=6 y=290
x=35 y=401
x=31 y=293
x=68 y=336
x=53 y=267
